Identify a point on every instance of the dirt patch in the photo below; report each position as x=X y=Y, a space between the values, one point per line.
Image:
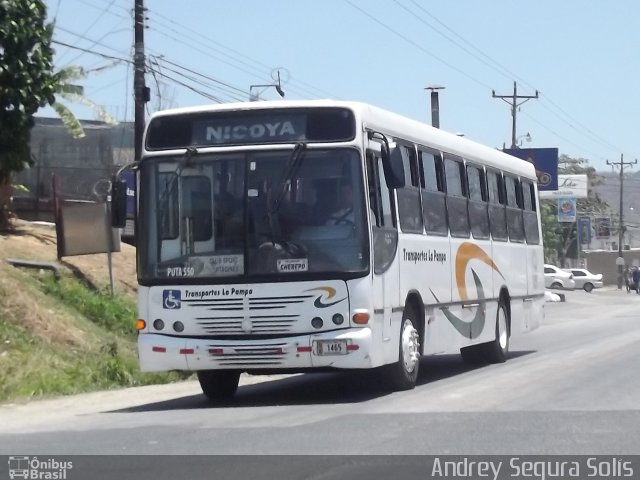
x=37 y=242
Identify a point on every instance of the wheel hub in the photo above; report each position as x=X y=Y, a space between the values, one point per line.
x=410 y=347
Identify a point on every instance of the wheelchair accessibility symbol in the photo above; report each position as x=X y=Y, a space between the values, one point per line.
x=171 y=299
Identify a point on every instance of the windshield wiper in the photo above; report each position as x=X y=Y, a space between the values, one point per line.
x=292 y=167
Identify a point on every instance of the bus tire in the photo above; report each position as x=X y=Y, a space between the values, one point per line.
x=403 y=374
x=219 y=384
x=497 y=350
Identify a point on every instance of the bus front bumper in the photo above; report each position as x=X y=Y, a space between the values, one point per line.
x=342 y=349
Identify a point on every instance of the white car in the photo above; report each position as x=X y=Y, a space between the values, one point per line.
x=586 y=280
x=555 y=277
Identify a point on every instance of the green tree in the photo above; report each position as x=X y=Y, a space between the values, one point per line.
x=27 y=83
x=66 y=88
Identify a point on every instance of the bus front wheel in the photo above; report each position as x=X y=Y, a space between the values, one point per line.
x=403 y=374
x=219 y=384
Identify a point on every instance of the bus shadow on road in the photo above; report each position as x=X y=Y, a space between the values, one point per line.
x=320 y=388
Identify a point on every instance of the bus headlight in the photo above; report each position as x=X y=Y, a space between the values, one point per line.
x=158 y=324
x=178 y=326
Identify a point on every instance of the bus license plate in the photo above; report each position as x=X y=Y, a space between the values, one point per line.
x=331 y=347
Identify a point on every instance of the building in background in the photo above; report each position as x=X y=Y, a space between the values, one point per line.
x=83 y=166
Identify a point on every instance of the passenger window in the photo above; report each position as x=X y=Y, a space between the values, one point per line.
x=411 y=173
x=497 y=214
x=531 y=231
x=477 y=187
x=453 y=170
x=457 y=202
x=434 y=208
x=478 y=209
x=431 y=168
x=515 y=220
x=511 y=185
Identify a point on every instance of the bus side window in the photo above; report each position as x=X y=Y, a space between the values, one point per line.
x=478 y=211
x=531 y=232
x=515 y=226
x=497 y=215
x=380 y=197
x=434 y=210
x=375 y=198
x=409 y=205
x=386 y=198
x=457 y=200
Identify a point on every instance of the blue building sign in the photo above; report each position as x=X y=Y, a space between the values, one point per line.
x=546 y=162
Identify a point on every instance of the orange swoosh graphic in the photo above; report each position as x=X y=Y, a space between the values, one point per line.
x=466 y=253
x=330 y=291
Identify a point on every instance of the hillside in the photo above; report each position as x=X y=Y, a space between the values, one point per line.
x=37 y=242
x=65 y=336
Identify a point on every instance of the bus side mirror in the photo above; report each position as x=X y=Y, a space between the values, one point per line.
x=118 y=203
x=393 y=165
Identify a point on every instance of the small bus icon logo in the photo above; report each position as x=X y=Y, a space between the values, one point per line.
x=18 y=467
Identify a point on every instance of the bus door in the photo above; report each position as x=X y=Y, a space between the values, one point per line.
x=384 y=252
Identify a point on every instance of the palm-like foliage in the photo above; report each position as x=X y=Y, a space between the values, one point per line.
x=67 y=89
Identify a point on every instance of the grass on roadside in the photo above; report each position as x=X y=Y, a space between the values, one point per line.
x=59 y=337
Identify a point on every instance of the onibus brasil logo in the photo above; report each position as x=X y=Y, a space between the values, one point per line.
x=38 y=469
x=467 y=252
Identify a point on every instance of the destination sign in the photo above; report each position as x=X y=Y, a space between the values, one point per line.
x=250 y=127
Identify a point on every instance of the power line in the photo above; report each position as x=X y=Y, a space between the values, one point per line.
x=417 y=45
x=199 y=82
x=82 y=36
x=562 y=115
x=234 y=56
x=92 y=52
x=165 y=60
x=193 y=89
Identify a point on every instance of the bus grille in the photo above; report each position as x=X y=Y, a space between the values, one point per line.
x=260 y=315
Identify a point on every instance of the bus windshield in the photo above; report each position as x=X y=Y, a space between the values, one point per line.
x=252 y=214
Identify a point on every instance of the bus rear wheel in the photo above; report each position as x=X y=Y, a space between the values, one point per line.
x=497 y=350
x=403 y=374
x=219 y=385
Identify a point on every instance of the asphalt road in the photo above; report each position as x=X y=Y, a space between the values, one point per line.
x=570 y=387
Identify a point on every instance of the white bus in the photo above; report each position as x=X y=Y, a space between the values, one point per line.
x=297 y=236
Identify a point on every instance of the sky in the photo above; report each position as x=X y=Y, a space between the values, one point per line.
x=581 y=56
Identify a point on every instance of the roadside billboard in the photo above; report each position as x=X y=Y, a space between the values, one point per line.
x=575 y=186
x=545 y=161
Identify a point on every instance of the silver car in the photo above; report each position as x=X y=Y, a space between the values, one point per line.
x=585 y=279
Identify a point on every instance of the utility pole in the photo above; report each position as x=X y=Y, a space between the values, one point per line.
x=513 y=101
x=620 y=260
x=140 y=90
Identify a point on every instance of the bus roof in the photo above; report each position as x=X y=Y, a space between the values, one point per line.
x=387 y=122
